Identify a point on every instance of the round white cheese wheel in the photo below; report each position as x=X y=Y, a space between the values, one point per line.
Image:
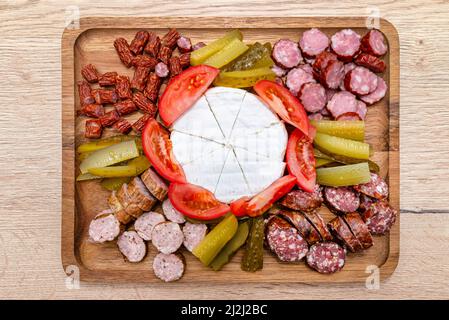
x=230 y=143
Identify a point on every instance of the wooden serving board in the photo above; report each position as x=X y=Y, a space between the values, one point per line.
x=93 y=43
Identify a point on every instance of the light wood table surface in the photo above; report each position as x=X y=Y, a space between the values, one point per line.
x=30 y=148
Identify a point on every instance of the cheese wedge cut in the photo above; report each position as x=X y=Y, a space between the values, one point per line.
x=230 y=143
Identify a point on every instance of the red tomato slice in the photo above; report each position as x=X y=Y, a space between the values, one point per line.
x=262 y=201
x=301 y=160
x=184 y=90
x=284 y=103
x=196 y=202
x=158 y=149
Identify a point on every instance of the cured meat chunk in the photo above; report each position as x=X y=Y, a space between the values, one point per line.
x=359 y=229
x=376 y=188
x=161 y=70
x=167 y=237
x=90 y=73
x=118 y=209
x=144 y=225
x=286 y=53
x=285 y=240
x=144 y=104
x=144 y=61
x=360 y=81
x=107 y=79
x=132 y=246
x=184 y=44
x=125 y=199
x=169 y=267
x=326 y=257
x=313 y=42
x=278 y=71
x=109 y=118
x=374 y=43
x=341 y=199
x=302 y=200
x=170 y=39
x=341 y=103
x=139 y=41
x=153 y=45
x=333 y=74
x=165 y=54
x=125 y=107
x=139 y=80
x=365 y=202
x=92 y=110
x=122 y=125
x=184 y=60
x=105 y=96
x=318 y=222
x=371 y=62
x=313 y=97
x=85 y=93
x=123 y=51
x=141 y=122
x=346 y=44
x=104 y=227
x=93 y=129
x=155 y=184
x=343 y=234
x=171 y=213
x=296 y=78
x=377 y=94
x=322 y=60
x=123 y=87
x=174 y=66
x=379 y=217
x=152 y=91
x=299 y=221
x=194 y=233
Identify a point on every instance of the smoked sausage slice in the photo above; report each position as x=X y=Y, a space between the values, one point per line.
x=326 y=257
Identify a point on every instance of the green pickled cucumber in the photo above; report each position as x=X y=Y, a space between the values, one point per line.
x=247 y=60
x=253 y=256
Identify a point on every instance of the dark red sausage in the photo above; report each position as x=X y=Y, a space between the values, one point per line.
x=359 y=229
x=343 y=234
x=304 y=227
x=371 y=62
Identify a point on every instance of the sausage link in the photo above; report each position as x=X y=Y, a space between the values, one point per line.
x=144 y=104
x=153 y=86
x=139 y=80
x=107 y=79
x=184 y=59
x=123 y=51
x=139 y=42
x=170 y=39
x=93 y=129
x=174 y=66
x=109 y=118
x=123 y=126
x=123 y=87
x=90 y=73
x=85 y=93
x=141 y=122
x=165 y=54
x=92 y=110
x=144 y=61
x=125 y=107
x=153 y=45
x=103 y=96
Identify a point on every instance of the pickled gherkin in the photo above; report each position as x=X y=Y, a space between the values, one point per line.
x=248 y=60
x=103 y=143
x=243 y=79
x=347 y=175
x=112 y=184
x=229 y=53
x=253 y=256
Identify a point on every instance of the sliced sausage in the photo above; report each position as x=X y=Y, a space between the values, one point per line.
x=155 y=184
x=125 y=199
x=286 y=53
x=343 y=234
x=318 y=223
x=285 y=240
x=307 y=68
x=326 y=257
x=365 y=202
x=379 y=217
x=341 y=199
x=313 y=42
x=376 y=188
x=118 y=209
x=167 y=237
x=349 y=116
x=303 y=200
x=360 y=81
x=374 y=43
x=316 y=116
x=140 y=195
x=194 y=233
x=132 y=246
x=161 y=70
x=278 y=71
x=171 y=213
x=313 y=97
x=104 y=227
x=322 y=60
x=377 y=94
x=169 y=267
x=341 y=103
x=348 y=67
x=184 y=44
x=359 y=229
x=145 y=223
x=346 y=44
x=371 y=62
x=299 y=221
x=296 y=77
x=361 y=110
x=333 y=74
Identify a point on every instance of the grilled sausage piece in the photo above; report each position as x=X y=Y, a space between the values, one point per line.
x=118 y=209
x=318 y=222
x=376 y=188
x=359 y=229
x=169 y=267
x=343 y=234
x=155 y=184
x=379 y=217
x=104 y=227
x=132 y=246
x=299 y=221
x=302 y=200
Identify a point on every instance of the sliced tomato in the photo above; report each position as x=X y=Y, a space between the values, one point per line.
x=158 y=149
x=284 y=103
x=196 y=202
x=263 y=201
x=184 y=90
x=301 y=160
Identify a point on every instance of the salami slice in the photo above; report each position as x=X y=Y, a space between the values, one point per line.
x=360 y=81
x=341 y=199
x=313 y=42
x=278 y=71
x=169 y=267
x=104 y=227
x=286 y=54
x=318 y=222
x=361 y=110
x=307 y=68
x=322 y=60
x=285 y=240
x=171 y=213
x=333 y=74
x=374 y=43
x=348 y=67
x=299 y=221
x=326 y=257
x=296 y=77
x=365 y=202
x=313 y=97
x=132 y=246
x=377 y=94
x=341 y=103
x=376 y=188
x=346 y=44
x=343 y=234
x=194 y=233
x=302 y=200
x=371 y=62
x=359 y=229
x=167 y=237
x=144 y=225
x=379 y=217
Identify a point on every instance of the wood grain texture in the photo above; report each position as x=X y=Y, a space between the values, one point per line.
x=31 y=142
